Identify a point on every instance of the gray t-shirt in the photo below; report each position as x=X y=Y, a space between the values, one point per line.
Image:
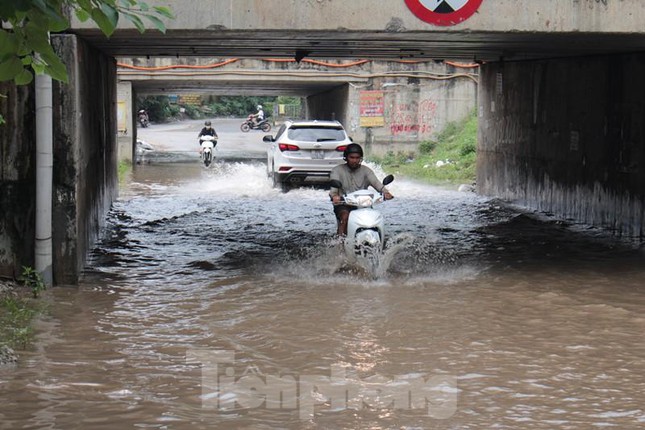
x=353 y=180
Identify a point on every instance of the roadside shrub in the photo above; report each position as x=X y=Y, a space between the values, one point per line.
x=32 y=279
x=456 y=143
x=192 y=112
x=427 y=146
x=392 y=158
x=158 y=107
x=468 y=148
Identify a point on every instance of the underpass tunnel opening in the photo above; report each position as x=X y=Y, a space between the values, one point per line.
x=386 y=105
x=298 y=103
x=179 y=99
x=331 y=105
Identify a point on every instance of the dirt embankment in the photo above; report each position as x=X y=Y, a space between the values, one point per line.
x=7 y=290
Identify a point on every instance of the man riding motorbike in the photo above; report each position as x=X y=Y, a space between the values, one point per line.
x=259 y=116
x=143 y=117
x=206 y=131
x=354 y=176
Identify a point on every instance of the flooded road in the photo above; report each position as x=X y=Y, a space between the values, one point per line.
x=215 y=301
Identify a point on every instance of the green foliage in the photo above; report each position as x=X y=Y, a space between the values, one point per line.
x=468 y=148
x=32 y=279
x=455 y=148
x=158 y=107
x=192 y=112
x=24 y=39
x=288 y=100
x=427 y=146
x=123 y=169
x=395 y=159
x=241 y=106
x=15 y=321
x=17 y=310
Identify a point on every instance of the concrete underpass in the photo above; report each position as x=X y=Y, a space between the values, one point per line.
x=560 y=104
x=418 y=97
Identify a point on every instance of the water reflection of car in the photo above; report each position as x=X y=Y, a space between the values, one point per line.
x=304 y=152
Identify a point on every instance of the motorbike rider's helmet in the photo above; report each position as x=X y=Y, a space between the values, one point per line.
x=259 y=107
x=207 y=123
x=352 y=148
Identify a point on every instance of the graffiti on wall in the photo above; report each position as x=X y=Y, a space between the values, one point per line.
x=413 y=118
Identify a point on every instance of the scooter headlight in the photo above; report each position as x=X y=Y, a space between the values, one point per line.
x=368 y=237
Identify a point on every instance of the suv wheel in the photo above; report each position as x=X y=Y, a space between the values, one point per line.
x=277 y=183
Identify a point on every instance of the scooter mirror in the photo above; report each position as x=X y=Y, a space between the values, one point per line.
x=388 y=179
x=336 y=183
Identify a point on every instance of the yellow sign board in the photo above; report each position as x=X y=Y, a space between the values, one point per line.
x=372 y=107
x=122 y=116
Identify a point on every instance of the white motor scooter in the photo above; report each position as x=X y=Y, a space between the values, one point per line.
x=365 y=226
x=207 y=143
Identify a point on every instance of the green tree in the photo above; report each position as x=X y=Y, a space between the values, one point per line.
x=158 y=107
x=26 y=24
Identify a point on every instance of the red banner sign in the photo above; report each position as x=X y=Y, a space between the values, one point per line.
x=443 y=12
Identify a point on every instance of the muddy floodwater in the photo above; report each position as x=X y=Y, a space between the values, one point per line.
x=216 y=302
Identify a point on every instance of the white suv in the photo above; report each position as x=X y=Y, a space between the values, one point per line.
x=304 y=152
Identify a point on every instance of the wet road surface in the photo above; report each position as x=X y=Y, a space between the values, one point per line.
x=215 y=301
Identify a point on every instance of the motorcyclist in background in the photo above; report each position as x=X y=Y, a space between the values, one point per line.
x=259 y=116
x=142 y=116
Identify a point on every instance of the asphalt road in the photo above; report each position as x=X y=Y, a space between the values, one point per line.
x=180 y=139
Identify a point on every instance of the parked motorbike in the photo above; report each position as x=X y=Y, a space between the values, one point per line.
x=207 y=143
x=249 y=124
x=365 y=227
x=143 y=118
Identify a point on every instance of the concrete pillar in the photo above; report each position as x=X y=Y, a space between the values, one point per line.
x=85 y=153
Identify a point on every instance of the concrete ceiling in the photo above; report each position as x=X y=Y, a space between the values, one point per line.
x=232 y=86
x=469 y=46
x=341 y=44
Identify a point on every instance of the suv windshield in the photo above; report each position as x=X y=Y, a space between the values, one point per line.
x=315 y=134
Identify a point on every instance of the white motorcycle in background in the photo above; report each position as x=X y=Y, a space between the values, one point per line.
x=207 y=143
x=365 y=227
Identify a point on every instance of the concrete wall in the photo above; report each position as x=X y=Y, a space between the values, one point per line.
x=414 y=109
x=84 y=177
x=367 y=15
x=17 y=179
x=567 y=137
x=85 y=155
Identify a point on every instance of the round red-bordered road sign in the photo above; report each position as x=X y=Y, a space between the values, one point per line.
x=443 y=12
